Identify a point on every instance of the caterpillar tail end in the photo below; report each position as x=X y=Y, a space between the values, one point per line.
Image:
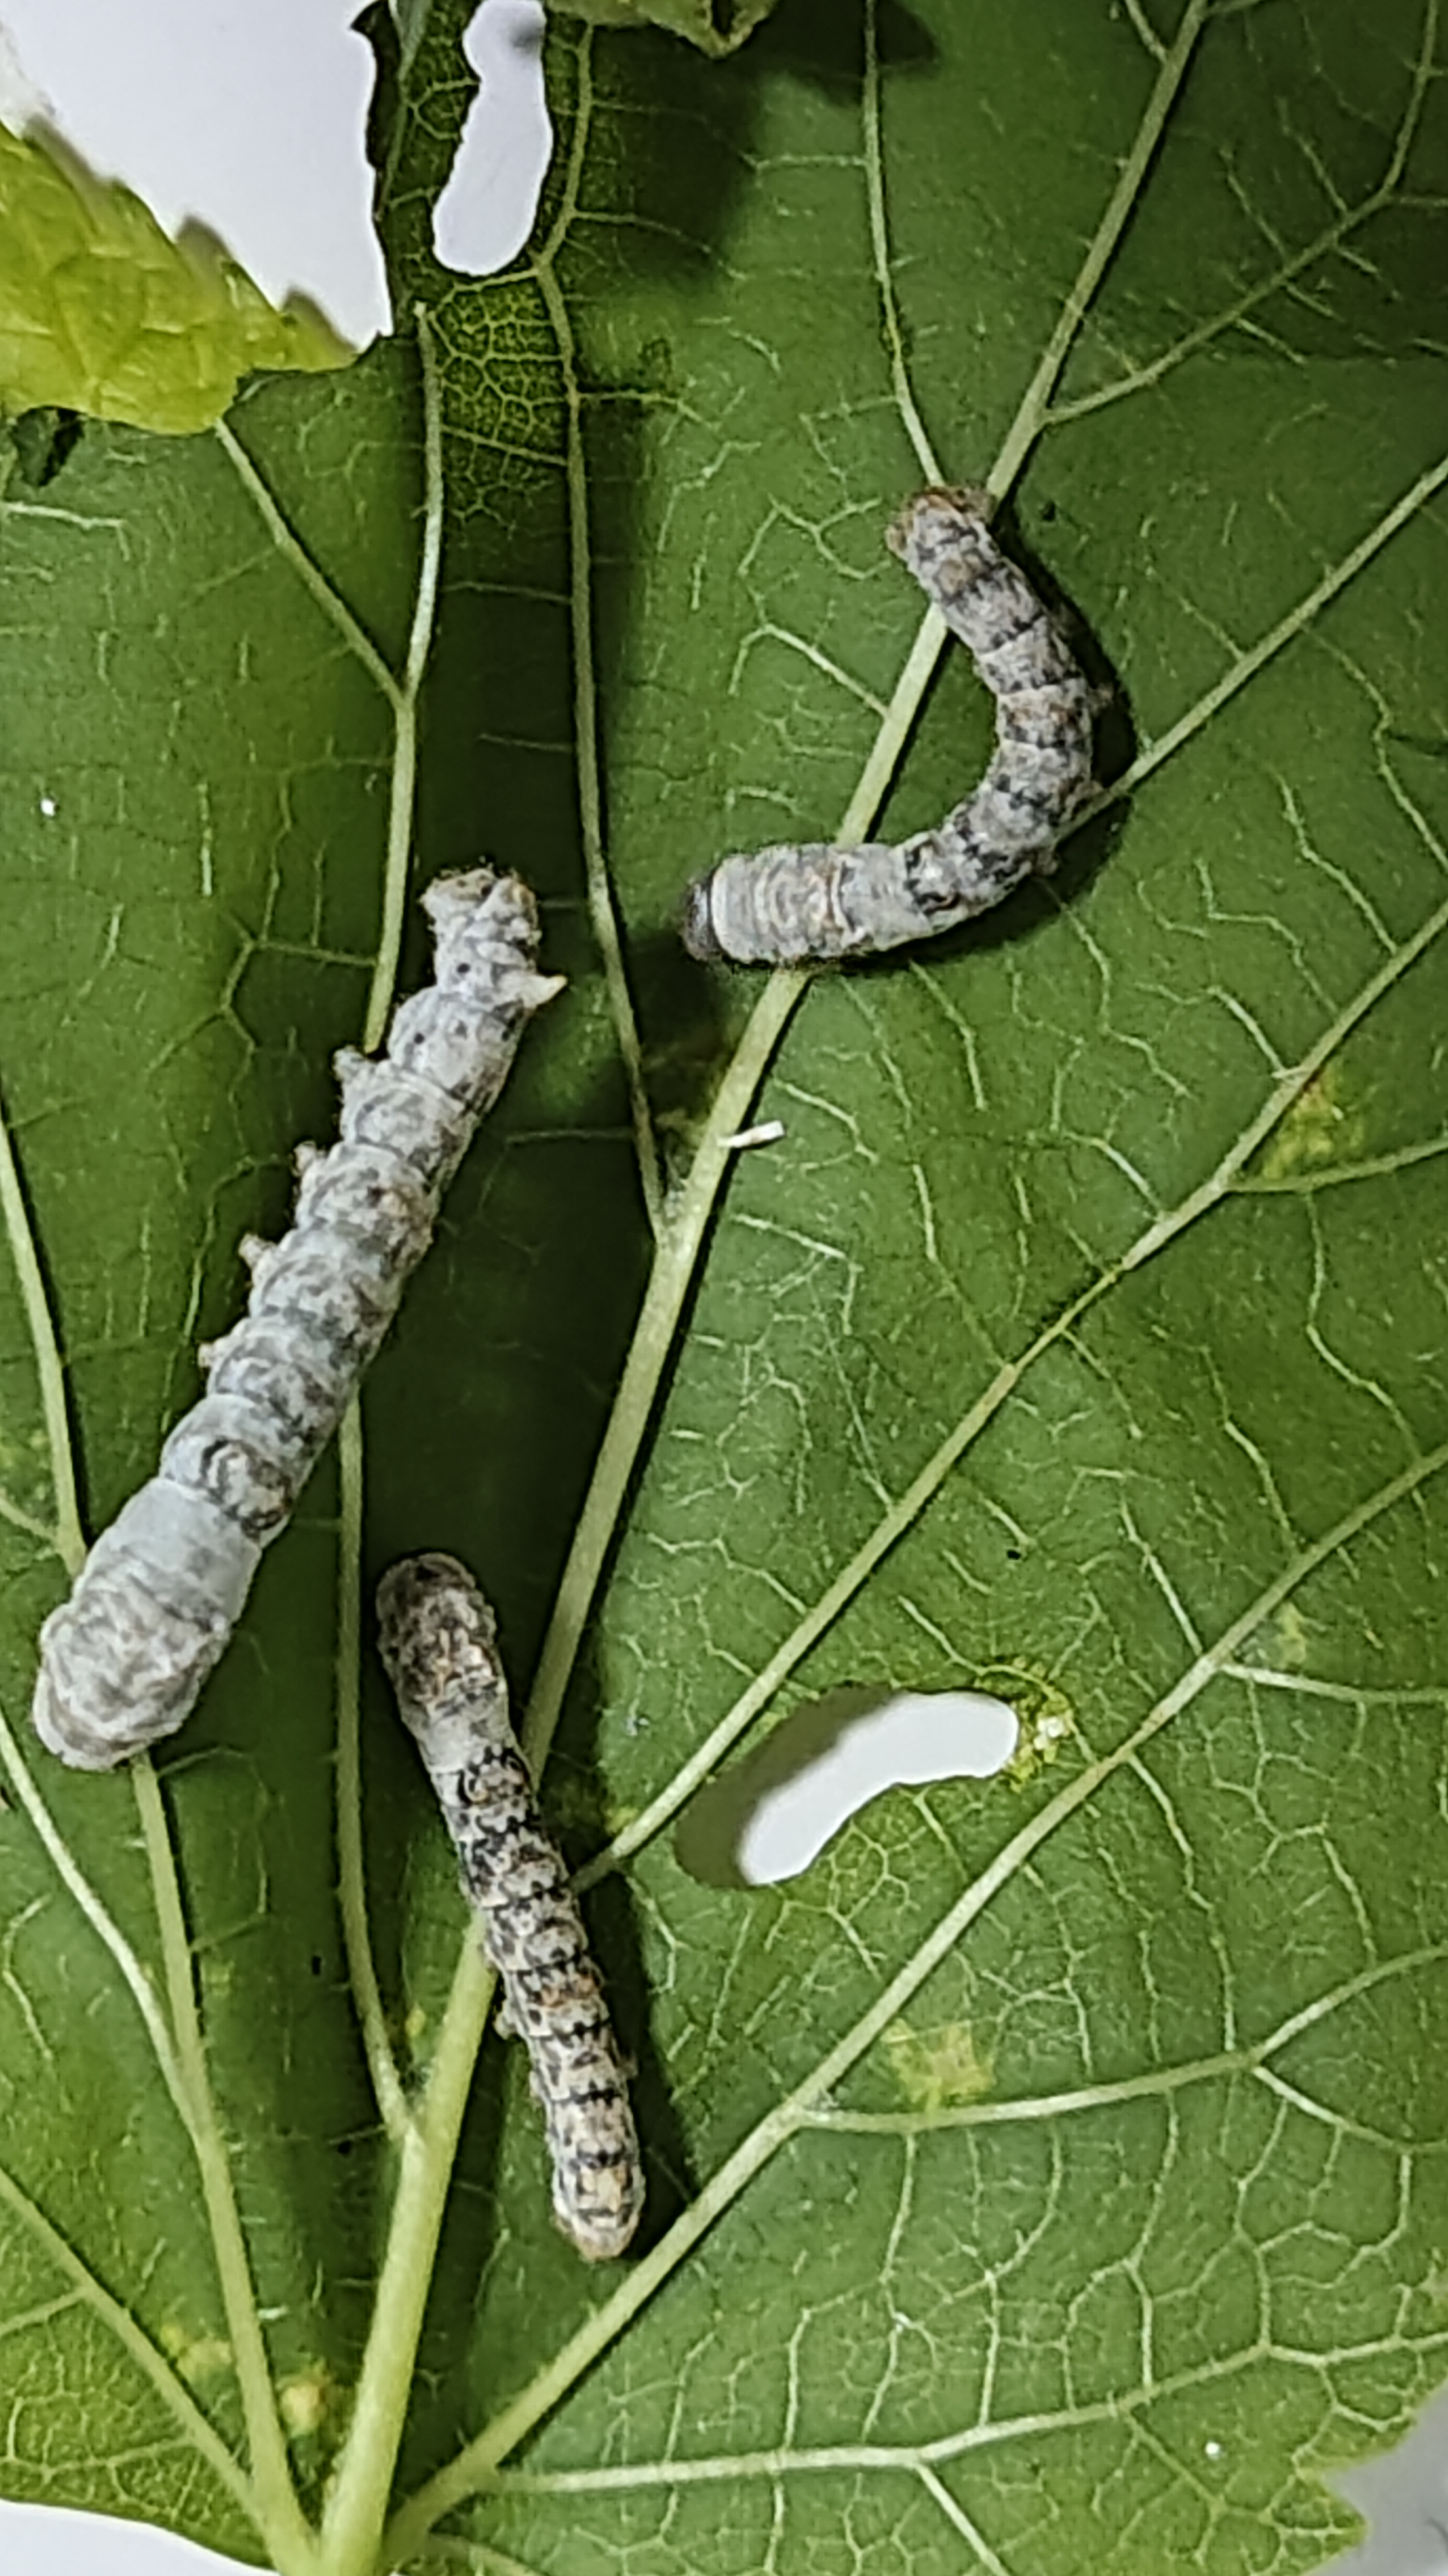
x=601 y=2220
x=603 y=2243
x=73 y=1745
x=696 y=922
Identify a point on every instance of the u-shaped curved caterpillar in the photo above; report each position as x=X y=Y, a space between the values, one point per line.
x=796 y=903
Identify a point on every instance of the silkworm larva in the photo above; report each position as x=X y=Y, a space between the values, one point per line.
x=154 y=1605
x=799 y=902
x=439 y=1642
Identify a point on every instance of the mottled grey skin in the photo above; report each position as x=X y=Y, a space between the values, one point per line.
x=439 y=1642
x=793 y=905
x=122 y=1661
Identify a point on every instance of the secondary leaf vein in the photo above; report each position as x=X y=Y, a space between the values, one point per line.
x=480 y=2457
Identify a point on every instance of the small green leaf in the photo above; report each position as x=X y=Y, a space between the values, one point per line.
x=101 y=313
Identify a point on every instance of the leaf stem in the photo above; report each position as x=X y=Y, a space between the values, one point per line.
x=429 y=569
x=426 y=2138
x=602 y=909
x=352 y=1884
x=352 y=1888
x=404 y=703
x=18 y=1518
x=1248 y=664
x=364 y=2476
x=475 y=2463
x=352 y=2524
x=669 y=1284
x=1313 y=254
x=277 y=2512
x=1251 y=2058
x=67 y=1537
x=351 y=1856
x=102 y=1923
x=1144 y=29
x=331 y=603
x=905 y=402
x=677 y=1259
x=1030 y=420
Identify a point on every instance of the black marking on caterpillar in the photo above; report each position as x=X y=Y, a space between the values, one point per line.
x=439 y=1642
x=798 y=902
x=154 y=1605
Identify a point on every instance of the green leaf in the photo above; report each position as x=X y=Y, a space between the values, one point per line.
x=1083 y=1337
x=410 y=19
x=716 y=26
x=100 y=312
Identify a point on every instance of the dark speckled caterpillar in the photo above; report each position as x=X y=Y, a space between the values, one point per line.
x=439 y=1642
x=795 y=903
x=154 y=1605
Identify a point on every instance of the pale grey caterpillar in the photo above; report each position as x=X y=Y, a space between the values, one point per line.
x=439 y=1642
x=795 y=903
x=154 y=1605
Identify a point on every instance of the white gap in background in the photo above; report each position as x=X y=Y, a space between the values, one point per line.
x=485 y=212
x=247 y=116
x=1403 y=2498
x=48 y=2540
x=20 y=100
x=915 y=1737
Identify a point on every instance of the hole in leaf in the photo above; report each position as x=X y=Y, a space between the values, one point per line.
x=42 y=440
x=485 y=212
x=771 y=1816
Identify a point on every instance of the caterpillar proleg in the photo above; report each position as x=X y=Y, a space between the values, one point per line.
x=152 y=1609
x=439 y=1642
x=798 y=902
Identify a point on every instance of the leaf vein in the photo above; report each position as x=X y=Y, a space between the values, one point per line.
x=88 y=2291
x=66 y=1538
x=273 y=2504
x=480 y=2457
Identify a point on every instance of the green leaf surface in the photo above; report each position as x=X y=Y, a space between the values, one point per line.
x=101 y=312
x=1054 y=2173
x=409 y=17
x=715 y=26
